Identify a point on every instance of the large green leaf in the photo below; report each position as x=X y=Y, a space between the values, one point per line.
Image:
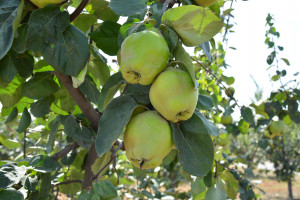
x=41 y=107
x=10 y=174
x=194 y=24
x=62 y=45
x=7 y=69
x=139 y=92
x=45 y=26
x=24 y=63
x=69 y=53
x=19 y=45
x=64 y=100
x=109 y=89
x=100 y=9
x=185 y=62
x=106 y=37
x=81 y=134
x=128 y=7
x=84 y=21
x=45 y=187
x=113 y=121
x=217 y=192
x=205 y=125
x=43 y=163
x=90 y=90
x=9 y=143
x=40 y=86
x=105 y=189
x=204 y=102
x=195 y=147
x=11 y=194
x=8 y=15
x=25 y=121
x=13 y=115
x=232 y=185
x=247 y=114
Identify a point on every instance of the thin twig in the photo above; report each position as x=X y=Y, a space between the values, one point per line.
x=218 y=80
x=78 y=10
x=227 y=24
x=65 y=151
x=67 y=182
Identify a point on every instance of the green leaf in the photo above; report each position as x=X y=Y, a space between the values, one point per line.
x=101 y=164
x=100 y=71
x=109 y=89
x=7 y=69
x=62 y=45
x=100 y=9
x=105 y=189
x=84 y=21
x=90 y=90
x=9 y=143
x=13 y=114
x=69 y=53
x=128 y=8
x=195 y=148
x=24 y=63
x=65 y=100
x=69 y=159
x=286 y=61
x=208 y=179
x=9 y=12
x=31 y=183
x=43 y=163
x=247 y=114
x=113 y=121
x=185 y=63
x=11 y=194
x=197 y=187
x=139 y=92
x=25 y=121
x=205 y=125
x=45 y=26
x=206 y=49
x=263 y=143
x=232 y=185
x=217 y=192
x=41 y=107
x=18 y=43
x=45 y=187
x=243 y=126
x=11 y=174
x=40 y=86
x=194 y=24
x=204 y=102
x=106 y=37
x=73 y=188
x=81 y=134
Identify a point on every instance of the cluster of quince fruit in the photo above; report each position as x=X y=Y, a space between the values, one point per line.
x=143 y=60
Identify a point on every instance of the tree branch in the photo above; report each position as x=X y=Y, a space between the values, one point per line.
x=86 y=107
x=65 y=151
x=218 y=80
x=78 y=10
x=67 y=182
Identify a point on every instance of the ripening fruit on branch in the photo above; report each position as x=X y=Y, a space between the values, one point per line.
x=277 y=127
x=173 y=95
x=226 y=120
x=205 y=3
x=143 y=56
x=43 y=3
x=147 y=140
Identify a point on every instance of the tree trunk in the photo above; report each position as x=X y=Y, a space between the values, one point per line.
x=290 y=188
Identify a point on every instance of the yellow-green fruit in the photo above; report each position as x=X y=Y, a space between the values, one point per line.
x=269 y=134
x=277 y=127
x=147 y=140
x=173 y=95
x=205 y=3
x=226 y=120
x=143 y=56
x=43 y=3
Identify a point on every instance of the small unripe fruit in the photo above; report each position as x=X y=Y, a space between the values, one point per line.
x=205 y=3
x=43 y=3
x=226 y=120
x=277 y=127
